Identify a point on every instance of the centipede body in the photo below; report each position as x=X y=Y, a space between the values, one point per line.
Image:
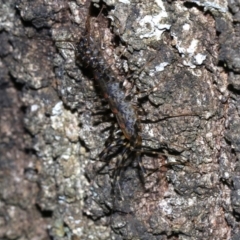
x=125 y=112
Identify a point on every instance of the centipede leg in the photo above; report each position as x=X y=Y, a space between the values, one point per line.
x=125 y=154
x=109 y=147
x=139 y=160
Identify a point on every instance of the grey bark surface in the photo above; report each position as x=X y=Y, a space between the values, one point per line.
x=179 y=61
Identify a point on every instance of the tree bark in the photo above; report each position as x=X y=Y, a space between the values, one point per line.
x=179 y=62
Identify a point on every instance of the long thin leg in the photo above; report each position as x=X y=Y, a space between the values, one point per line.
x=139 y=160
x=110 y=147
x=125 y=154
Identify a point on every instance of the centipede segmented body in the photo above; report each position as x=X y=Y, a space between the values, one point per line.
x=124 y=111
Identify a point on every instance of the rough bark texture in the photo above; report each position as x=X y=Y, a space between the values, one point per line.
x=186 y=51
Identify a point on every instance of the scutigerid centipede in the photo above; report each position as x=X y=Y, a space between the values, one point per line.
x=125 y=120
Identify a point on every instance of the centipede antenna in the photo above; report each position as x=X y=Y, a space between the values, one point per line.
x=101 y=10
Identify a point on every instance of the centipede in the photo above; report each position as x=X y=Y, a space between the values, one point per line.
x=127 y=143
x=125 y=112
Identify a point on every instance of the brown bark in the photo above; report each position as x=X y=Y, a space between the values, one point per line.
x=50 y=142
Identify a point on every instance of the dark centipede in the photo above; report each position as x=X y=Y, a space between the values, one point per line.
x=126 y=114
